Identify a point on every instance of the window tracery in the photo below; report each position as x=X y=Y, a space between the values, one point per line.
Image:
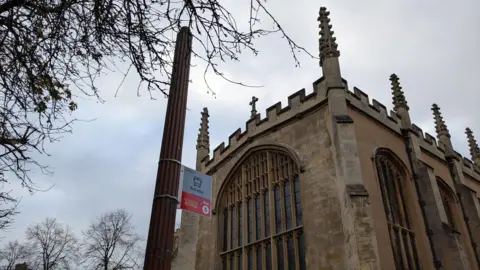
x=261 y=222
x=391 y=177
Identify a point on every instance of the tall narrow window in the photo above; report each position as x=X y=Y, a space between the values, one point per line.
x=261 y=223
x=448 y=201
x=392 y=184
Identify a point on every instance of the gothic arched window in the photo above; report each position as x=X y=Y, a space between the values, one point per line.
x=448 y=201
x=392 y=184
x=260 y=215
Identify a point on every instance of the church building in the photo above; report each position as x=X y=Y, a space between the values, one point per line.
x=333 y=180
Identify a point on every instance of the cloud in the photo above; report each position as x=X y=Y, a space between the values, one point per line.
x=111 y=162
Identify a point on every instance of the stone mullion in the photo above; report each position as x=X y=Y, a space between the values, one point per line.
x=273 y=245
x=411 y=248
x=403 y=223
x=395 y=206
x=398 y=193
x=291 y=179
x=296 y=235
x=409 y=236
x=254 y=254
x=281 y=179
x=264 y=254
x=391 y=232
x=285 y=250
x=229 y=221
x=398 y=245
x=245 y=215
x=387 y=203
x=393 y=193
x=408 y=248
x=403 y=248
x=263 y=189
x=254 y=202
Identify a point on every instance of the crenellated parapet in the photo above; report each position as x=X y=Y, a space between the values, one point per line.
x=299 y=104
x=376 y=110
x=391 y=120
x=333 y=90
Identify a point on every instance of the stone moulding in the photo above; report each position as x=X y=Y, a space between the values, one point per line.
x=300 y=104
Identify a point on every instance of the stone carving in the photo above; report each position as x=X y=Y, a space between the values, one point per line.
x=203 y=136
x=440 y=126
x=328 y=45
x=253 y=103
x=399 y=100
x=472 y=143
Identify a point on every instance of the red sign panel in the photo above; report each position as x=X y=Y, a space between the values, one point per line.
x=195 y=204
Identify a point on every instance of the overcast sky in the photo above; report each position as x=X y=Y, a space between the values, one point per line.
x=111 y=163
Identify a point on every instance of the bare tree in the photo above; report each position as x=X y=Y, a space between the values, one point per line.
x=112 y=243
x=53 y=51
x=8 y=205
x=54 y=245
x=12 y=254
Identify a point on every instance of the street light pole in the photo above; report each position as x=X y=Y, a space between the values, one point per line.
x=162 y=221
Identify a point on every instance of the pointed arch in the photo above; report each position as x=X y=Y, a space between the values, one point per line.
x=260 y=221
x=285 y=149
x=392 y=175
x=449 y=201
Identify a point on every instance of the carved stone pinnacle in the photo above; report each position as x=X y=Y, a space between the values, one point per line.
x=254 y=107
x=472 y=143
x=399 y=100
x=203 y=136
x=440 y=126
x=328 y=45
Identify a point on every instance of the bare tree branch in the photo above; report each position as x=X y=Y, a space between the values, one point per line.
x=54 y=246
x=13 y=253
x=111 y=243
x=52 y=53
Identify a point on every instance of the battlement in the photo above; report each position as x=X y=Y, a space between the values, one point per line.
x=429 y=143
x=375 y=109
x=299 y=104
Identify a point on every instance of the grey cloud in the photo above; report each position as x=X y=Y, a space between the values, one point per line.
x=111 y=163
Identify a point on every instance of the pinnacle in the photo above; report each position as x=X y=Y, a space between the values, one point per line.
x=328 y=45
x=472 y=143
x=203 y=136
x=399 y=100
x=440 y=126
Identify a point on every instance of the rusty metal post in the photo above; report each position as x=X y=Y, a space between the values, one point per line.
x=158 y=255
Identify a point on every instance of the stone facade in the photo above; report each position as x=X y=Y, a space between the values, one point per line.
x=335 y=135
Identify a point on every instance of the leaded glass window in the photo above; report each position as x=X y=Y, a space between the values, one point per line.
x=261 y=227
x=402 y=237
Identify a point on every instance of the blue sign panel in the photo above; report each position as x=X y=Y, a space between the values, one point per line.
x=197 y=183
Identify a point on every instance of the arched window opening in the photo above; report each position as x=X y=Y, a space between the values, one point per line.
x=448 y=201
x=402 y=238
x=261 y=222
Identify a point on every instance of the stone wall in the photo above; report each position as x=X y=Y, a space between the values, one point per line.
x=303 y=127
x=307 y=139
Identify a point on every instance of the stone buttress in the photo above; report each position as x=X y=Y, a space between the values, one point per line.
x=360 y=240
